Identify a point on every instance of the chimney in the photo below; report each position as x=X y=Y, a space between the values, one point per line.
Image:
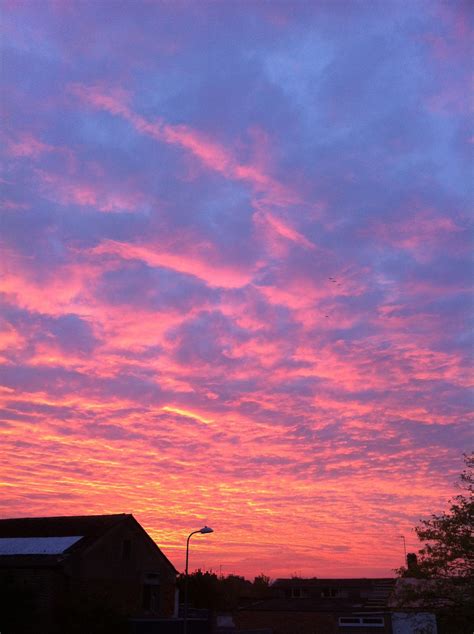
x=412 y=563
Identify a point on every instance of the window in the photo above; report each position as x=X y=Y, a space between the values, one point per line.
x=329 y=592
x=373 y=620
x=299 y=593
x=126 y=549
x=361 y=621
x=349 y=620
x=151 y=598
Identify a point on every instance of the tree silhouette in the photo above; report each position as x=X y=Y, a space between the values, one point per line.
x=208 y=591
x=446 y=561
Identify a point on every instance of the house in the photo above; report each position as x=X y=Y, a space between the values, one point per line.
x=331 y=606
x=60 y=573
x=450 y=598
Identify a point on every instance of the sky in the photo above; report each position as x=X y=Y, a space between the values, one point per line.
x=236 y=274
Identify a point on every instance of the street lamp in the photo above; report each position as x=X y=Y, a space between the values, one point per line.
x=204 y=531
x=404 y=547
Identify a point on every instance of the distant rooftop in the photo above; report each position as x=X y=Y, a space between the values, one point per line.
x=344 y=582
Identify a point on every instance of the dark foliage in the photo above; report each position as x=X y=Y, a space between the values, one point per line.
x=443 y=577
x=208 y=591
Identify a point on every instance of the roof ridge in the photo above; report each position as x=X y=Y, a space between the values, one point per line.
x=57 y=517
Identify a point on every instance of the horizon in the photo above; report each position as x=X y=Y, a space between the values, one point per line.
x=236 y=282
x=220 y=574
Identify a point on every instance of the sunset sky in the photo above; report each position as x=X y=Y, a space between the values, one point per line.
x=236 y=273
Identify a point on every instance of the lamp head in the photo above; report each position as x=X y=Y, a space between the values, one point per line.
x=206 y=529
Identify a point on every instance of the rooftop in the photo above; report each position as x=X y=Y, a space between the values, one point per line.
x=36 y=545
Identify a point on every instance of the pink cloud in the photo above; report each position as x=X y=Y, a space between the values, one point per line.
x=62 y=291
x=70 y=189
x=421 y=232
x=11 y=339
x=209 y=153
x=11 y=205
x=114 y=101
x=283 y=230
x=199 y=259
x=28 y=146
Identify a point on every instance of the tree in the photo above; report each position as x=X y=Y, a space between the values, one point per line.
x=446 y=561
x=449 y=541
x=203 y=589
x=207 y=591
x=261 y=586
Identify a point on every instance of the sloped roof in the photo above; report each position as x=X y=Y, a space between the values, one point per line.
x=88 y=527
x=363 y=593
x=36 y=545
x=63 y=526
x=358 y=582
x=312 y=605
x=85 y=528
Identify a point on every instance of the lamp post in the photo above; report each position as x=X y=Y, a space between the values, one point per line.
x=204 y=531
x=404 y=547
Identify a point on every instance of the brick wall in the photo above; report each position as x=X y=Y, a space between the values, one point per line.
x=120 y=573
x=103 y=582
x=31 y=598
x=288 y=622
x=292 y=622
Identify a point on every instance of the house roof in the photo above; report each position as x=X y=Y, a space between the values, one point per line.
x=88 y=527
x=36 y=545
x=312 y=605
x=42 y=537
x=317 y=594
x=316 y=582
x=63 y=526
